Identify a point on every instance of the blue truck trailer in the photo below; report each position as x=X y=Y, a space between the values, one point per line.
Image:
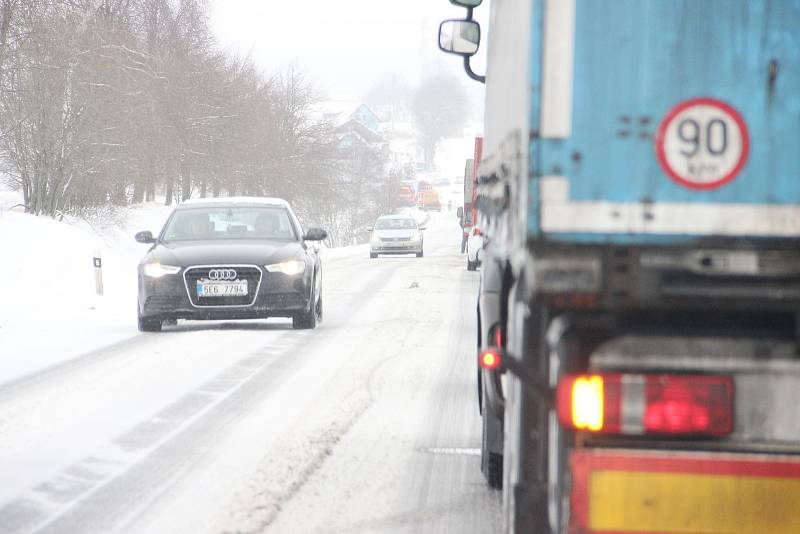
x=639 y=316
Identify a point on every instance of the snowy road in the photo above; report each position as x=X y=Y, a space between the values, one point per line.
x=366 y=424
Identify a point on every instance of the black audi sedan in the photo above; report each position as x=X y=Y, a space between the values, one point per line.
x=231 y=258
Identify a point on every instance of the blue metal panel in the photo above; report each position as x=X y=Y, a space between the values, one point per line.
x=636 y=59
x=537 y=20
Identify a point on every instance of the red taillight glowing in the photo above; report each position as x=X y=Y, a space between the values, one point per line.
x=647 y=404
x=490 y=360
x=689 y=405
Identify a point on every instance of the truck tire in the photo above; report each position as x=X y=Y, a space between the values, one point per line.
x=491 y=444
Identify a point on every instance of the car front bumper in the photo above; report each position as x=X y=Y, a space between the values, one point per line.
x=405 y=247
x=276 y=295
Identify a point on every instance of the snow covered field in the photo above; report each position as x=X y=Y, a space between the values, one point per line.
x=49 y=309
x=367 y=424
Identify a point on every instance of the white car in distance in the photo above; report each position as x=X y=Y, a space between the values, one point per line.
x=474 y=249
x=396 y=234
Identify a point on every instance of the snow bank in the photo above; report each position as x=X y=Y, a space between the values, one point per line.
x=47 y=286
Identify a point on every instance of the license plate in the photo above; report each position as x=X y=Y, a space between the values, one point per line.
x=234 y=288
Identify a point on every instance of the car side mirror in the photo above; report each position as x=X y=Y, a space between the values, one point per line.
x=466 y=3
x=145 y=237
x=369 y=228
x=460 y=212
x=422 y=227
x=315 y=234
x=460 y=37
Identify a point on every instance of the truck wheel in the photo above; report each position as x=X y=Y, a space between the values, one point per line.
x=491 y=445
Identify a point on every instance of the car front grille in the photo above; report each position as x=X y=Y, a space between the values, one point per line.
x=251 y=273
x=395 y=239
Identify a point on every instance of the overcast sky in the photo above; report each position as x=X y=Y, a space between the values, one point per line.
x=344 y=46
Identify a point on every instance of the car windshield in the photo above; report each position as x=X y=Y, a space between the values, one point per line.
x=395 y=224
x=223 y=223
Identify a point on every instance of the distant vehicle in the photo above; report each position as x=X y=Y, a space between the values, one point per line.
x=406 y=196
x=468 y=214
x=431 y=201
x=232 y=258
x=396 y=234
x=422 y=187
x=474 y=249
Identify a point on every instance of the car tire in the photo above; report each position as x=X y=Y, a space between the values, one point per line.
x=308 y=320
x=471 y=265
x=419 y=254
x=372 y=255
x=149 y=324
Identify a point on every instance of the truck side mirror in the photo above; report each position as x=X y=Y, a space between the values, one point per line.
x=460 y=212
x=461 y=37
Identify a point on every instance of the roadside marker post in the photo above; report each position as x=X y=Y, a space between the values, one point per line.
x=98 y=273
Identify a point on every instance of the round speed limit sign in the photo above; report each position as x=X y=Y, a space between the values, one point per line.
x=702 y=143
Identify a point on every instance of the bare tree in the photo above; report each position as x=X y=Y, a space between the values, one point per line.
x=439 y=107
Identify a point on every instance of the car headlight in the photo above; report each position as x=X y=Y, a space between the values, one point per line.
x=156 y=270
x=375 y=239
x=290 y=267
x=416 y=236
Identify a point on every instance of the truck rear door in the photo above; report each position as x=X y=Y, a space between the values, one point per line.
x=666 y=120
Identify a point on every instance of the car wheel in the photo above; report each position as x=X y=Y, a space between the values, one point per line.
x=307 y=320
x=372 y=255
x=419 y=254
x=471 y=265
x=149 y=324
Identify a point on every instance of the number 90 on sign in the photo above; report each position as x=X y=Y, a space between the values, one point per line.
x=702 y=143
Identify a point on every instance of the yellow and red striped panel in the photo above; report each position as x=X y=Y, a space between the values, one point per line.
x=624 y=492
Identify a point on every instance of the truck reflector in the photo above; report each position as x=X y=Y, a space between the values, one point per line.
x=490 y=360
x=617 y=403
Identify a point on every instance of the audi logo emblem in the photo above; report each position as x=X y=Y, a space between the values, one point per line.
x=222 y=274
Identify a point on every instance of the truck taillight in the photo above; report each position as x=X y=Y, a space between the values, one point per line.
x=616 y=403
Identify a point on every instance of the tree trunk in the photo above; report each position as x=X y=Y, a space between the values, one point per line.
x=170 y=191
x=186 y=179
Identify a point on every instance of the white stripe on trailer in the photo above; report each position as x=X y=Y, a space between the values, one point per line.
x=633 y=403
x=557 y=68
x=559 y=214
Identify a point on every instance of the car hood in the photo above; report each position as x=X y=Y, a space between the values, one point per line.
x=188 y=253
x=395 y=233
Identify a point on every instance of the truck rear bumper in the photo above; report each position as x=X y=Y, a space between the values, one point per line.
x=619 y=490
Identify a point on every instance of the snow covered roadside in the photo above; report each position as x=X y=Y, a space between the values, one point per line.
x=47 y=285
